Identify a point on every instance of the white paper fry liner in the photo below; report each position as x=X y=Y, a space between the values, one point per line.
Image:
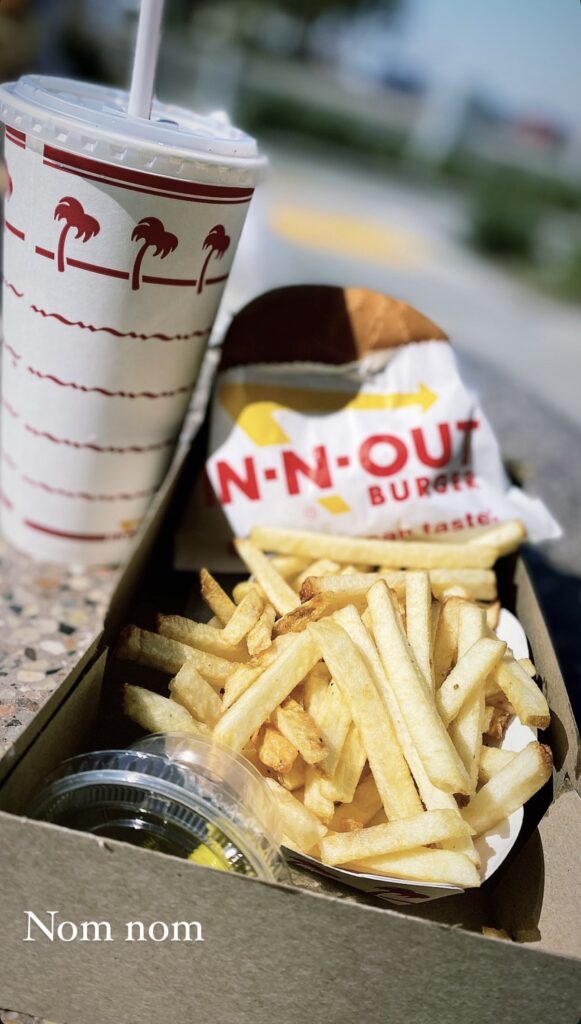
x=388 y=446
x=112 y=281
x=493 y=847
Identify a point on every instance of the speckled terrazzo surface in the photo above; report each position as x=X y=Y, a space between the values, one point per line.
x=49 y=614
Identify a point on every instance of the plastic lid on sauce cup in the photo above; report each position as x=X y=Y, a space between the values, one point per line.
x=92 y=119
x=186 y=796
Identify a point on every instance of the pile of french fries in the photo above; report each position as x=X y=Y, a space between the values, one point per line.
x=364 y=679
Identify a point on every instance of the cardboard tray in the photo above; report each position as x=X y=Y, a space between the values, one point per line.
x=310 y=953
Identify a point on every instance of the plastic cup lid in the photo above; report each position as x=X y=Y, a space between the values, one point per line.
x=92 y=119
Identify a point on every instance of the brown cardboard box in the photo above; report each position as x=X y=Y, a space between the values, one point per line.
x=312 y=953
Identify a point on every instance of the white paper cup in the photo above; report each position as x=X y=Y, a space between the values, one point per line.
x=119 y=238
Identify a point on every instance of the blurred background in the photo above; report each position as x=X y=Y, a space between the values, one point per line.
x=430 y=149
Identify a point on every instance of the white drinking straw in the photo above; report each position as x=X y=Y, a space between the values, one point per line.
x=145 y=60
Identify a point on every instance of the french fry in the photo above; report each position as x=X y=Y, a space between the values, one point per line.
x=199 y=636
x=216 y=598
x=432 y=797
x=299 y=618
x=510 y=788
x=315 y=687
x=194 y=693
x=155 y=713
x=168 y=655
x=446 y=639
x=422 y=865
x=244 y=618
x=332 y=715
x=471 y=626
x=275 y=751
x=302 y=830
x=492 y=759
x=242 y=589
x=244 y=676
x=406 y=554
x=479 y=584
x=506 y=537
x=466 y=733
x=295 y=778
x=434 y=619
x=149 y=649
x=379 y=818
x=528 y=666
x=466 y=729
x=322 y=567
x=496 y=933
x=418 y=603
x=522 y=692
x=341 y=786
x=260 y=636
x=467 y=676
x=277 y=590
x=365 y=805
x=435 y=748
x=300 y=729
x=315 y=798
x=493 y=614
x=394 y=837
x=371 y=717
x=288 y=566
x=498 y=723
x=241 y=720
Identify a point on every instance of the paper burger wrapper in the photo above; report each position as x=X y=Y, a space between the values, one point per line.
x=357 y=422
x=113 y=276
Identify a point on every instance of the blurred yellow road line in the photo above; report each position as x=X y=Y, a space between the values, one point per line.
x=355 y=237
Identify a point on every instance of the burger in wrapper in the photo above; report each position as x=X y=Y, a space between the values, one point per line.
x=343 y=411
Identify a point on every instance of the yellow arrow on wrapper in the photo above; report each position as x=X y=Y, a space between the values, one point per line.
x=252 y=406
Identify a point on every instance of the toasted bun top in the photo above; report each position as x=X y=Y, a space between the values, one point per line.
x=322 y=324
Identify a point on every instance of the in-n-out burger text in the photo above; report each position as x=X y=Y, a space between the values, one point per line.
x=445 y=447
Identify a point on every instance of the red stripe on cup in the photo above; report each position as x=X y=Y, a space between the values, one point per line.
x=146 y=191
x=44 y=252
x=95 y=269
x=126 y=175
x=15 y=136
x=11 y=130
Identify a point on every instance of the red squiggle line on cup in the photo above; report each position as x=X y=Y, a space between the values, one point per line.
x=9 y=408
x=9 y=460
x=139 y=449
x=120 y=334
x=7 y=284
x=86 y=495
x=104 y=391
x=15 y=355
x=65 y=535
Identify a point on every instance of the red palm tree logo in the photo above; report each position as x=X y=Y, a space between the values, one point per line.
x=217 y=241
x=71 y=212
x=151 y=232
